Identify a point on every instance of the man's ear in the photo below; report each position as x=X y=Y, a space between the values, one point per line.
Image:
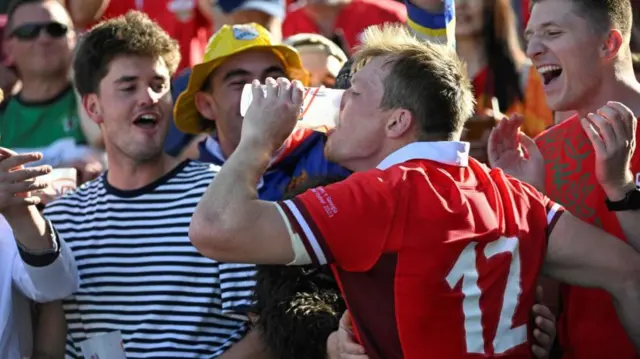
x=400 y=122
x=206 y=105
x=612 y=44
x=92 y=106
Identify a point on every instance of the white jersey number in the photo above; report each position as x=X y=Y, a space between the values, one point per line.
x=465 y=269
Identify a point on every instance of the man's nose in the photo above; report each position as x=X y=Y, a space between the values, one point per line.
x=535 y=48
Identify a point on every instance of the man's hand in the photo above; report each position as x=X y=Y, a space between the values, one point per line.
x=515 y=153
x=341 y=345
x=16 y=181
x=545 y=331
x=612 y=132
x=271 y=119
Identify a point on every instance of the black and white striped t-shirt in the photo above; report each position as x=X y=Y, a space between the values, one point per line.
x=140 y=274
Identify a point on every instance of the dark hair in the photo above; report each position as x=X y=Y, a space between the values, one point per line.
x=604 y=15
x=501 y=47
x=131 y=34
x=298 y=306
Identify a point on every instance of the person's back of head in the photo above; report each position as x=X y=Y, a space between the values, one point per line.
x=122 y=71
x=415 y=90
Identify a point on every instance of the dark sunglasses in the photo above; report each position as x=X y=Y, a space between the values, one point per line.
x=32 y=31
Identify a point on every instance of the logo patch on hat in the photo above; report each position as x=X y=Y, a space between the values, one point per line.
x=244 y=32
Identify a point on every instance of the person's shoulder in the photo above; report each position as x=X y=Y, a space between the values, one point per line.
x=82 y=195
x=195 y=168
x=567 y=128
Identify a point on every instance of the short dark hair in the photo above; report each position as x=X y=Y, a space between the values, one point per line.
x=131 y=34
x=604 y=15
x=425 y=78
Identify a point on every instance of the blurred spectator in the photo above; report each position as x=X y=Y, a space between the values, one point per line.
x=487 y=40
x=636 y=64
x=44 y=114
x=17 y=289
x=182 y=19
x=9 y=83
x=320 y=56
x=341 y=21
x=84 y=13
x=268 y=13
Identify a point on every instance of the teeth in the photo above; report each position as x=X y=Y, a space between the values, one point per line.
x=148 y=117
x=548 y=68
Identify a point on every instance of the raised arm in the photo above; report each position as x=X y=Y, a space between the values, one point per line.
x=582 y=255
x=432 y=20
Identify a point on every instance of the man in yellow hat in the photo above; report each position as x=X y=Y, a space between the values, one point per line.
x=236 y=55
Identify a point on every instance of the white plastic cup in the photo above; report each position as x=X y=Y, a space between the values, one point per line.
x=319 y=111
x=60 y=180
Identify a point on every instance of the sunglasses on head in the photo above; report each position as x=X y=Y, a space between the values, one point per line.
x=32 y=31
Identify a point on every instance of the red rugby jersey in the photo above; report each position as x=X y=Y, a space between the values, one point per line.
x=588 y=326
x=435 y=259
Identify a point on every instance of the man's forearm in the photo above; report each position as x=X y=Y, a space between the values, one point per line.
x=627 y=304
x=234 y=187
x=249 y=347
x=31 y=230
x=629 y=220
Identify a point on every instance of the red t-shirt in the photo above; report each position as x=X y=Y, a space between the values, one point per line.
x=434 y=260
x=352 y=20
x=588 y=326
x=180 y=18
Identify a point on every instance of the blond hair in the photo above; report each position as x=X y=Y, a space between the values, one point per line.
x=425 y=78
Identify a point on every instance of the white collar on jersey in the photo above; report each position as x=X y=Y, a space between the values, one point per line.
x=447 y=152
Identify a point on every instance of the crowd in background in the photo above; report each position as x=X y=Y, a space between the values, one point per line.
x=138 y=273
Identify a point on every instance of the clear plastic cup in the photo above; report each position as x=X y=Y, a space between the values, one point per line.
x=60 y=180
x=319 y=111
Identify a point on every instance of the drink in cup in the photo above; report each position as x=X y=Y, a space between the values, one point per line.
x=60 y=180
x=320 y=107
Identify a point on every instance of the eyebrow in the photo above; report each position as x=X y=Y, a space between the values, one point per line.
x=528 y=31
x=127 y=79
x=243 y=73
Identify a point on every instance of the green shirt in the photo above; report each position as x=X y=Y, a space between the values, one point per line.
x=36 y=125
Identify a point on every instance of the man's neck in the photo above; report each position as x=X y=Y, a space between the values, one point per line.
x=471 y=51
x=41 y=89
x=624 y=89
x=128 y=175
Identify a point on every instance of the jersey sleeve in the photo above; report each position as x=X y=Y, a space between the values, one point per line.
x=552 y=209
x=434 y=27
x=347 y=223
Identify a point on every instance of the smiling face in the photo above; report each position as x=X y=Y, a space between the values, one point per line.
x=566 y=51
x=221 y=101
x=133 y=107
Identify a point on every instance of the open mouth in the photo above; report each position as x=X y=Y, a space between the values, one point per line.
x=146 y=121
x=549 y=73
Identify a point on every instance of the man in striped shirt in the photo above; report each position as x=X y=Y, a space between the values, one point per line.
x=140 y=278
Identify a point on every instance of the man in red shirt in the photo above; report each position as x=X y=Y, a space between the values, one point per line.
x=436 y=255
x=342 y=21
x=581 y=177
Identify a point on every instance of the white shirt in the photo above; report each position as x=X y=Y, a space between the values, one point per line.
x=18 y=283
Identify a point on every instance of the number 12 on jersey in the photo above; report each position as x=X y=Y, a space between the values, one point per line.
x=466 y=270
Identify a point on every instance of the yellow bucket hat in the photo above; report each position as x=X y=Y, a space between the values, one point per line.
x=228 y=41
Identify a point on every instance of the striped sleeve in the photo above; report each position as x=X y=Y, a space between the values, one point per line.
x=438 y=28
x=346 y=223
x=554 y=211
